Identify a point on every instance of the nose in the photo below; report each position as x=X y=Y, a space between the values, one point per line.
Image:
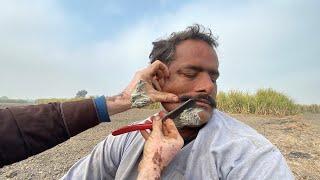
x=205 y=84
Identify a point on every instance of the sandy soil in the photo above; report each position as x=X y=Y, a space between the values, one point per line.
x=298 y=138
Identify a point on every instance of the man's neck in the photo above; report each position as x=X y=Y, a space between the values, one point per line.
x=189 y=133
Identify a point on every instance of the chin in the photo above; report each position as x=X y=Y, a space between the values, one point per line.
x=195 y=117
x=205 y=116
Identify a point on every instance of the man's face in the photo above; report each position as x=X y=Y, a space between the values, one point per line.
x=193 y=71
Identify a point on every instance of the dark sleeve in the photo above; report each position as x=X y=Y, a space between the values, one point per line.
x=29 y=130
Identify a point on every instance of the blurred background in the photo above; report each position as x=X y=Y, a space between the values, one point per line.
x=54 y=49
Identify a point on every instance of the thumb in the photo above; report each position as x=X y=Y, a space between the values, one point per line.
x=156 y=125
x=164 y=97
x=171 y=128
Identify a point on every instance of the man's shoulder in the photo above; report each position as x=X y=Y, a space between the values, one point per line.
x=232 y=131
x=236 y=147
x=231 y=142
x=125 y=139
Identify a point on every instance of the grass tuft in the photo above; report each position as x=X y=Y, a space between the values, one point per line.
x=264 y=101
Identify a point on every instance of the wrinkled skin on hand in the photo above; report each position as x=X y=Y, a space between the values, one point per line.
x=139 y=97
x=161 y=146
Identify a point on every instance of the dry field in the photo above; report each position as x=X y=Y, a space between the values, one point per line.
x=298 y=138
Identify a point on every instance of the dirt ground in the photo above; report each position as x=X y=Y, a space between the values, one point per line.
x=298 y=138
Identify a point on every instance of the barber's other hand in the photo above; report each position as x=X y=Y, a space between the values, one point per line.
x=161 y=145
x=153 y=78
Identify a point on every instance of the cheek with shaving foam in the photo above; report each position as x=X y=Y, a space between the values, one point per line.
x=189 y=117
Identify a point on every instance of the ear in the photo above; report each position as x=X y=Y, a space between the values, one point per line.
x=163 y=81
x=156 y=84
x=168 y=78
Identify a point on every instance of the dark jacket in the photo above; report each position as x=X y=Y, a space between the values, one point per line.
x=29 y=130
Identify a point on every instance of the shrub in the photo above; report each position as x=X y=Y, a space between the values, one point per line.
x=313 y=108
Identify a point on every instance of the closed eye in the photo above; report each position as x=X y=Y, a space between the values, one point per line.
x=189 y=73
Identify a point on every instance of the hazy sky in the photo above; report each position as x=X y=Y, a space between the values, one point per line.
x=55 y=48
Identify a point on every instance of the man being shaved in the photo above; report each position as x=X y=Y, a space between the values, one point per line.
x=216 y=146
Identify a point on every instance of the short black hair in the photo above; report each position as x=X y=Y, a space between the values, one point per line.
x=164 y=49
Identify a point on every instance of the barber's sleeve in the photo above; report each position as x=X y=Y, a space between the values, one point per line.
x=266 y=163
x=29 y=130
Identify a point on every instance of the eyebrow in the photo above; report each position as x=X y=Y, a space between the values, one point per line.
x=200 y=69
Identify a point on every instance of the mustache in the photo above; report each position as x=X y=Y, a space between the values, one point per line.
x=200 y=97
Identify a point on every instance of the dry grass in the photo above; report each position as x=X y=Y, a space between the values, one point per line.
x=263 y=102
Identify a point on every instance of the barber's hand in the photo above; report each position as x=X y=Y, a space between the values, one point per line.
x=148 y=82
x=161 y=146
x=144 y=89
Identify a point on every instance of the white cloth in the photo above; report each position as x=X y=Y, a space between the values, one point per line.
x=223 y=149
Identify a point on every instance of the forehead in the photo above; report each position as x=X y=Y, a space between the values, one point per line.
x=195 y=52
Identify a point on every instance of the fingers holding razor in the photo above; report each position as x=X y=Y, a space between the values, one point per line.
x=164 y=141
